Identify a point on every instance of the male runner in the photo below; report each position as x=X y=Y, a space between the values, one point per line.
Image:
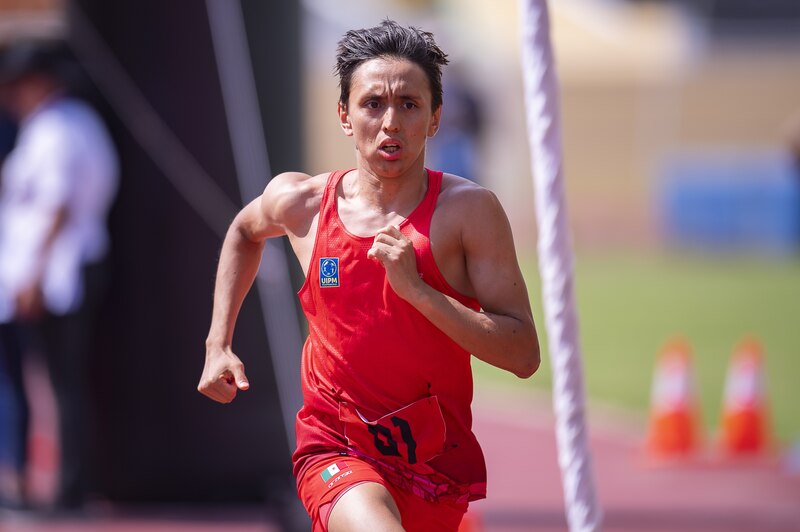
x=408 y=271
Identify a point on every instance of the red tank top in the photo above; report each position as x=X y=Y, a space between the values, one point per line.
x=379 y=380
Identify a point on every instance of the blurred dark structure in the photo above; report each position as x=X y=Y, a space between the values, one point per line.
x=155 y=437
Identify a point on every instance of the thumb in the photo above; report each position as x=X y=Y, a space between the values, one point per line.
x=241 y=379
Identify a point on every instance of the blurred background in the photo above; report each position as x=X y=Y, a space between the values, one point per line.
x=681 y=131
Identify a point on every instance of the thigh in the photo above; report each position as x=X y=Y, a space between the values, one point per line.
x=12 y=349
x=329 y=477
x=64 y=341
x=420 y=515
x=366 y=507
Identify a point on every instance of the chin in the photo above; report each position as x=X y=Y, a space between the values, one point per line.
x=389 y=169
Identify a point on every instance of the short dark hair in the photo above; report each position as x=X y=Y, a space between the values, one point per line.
x=44 y=56
x=390 y=39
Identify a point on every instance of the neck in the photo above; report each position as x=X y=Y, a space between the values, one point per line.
x=399 y=194
x=30 y=99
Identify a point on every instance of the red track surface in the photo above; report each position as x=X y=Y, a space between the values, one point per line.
x=525 y=483
x=524 y=486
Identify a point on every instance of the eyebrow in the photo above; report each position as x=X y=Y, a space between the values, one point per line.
x=380 y=95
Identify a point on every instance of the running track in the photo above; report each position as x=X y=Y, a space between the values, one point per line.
x=525 y=487
x=708 y=495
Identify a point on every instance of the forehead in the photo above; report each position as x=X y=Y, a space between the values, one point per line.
x=393 y=74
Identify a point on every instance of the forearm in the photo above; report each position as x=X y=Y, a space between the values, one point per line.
x=238 y=265
x=57 y=224
x=506 y=342
x=29 y=300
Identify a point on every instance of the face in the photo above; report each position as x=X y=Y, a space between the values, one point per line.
x=22 y=95
x=389 y=116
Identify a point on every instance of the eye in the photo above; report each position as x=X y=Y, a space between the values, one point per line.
x=409 y=105
x=371 y=104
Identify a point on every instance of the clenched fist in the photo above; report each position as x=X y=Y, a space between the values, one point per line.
x=223 y=375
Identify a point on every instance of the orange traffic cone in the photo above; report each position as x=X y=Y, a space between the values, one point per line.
x=674 y=426
x=471 y=522
x=744 y=417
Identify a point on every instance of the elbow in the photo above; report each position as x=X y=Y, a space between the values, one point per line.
x=530 y=359
x=238 y=227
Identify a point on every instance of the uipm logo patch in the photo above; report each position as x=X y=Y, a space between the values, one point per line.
x=329 y=272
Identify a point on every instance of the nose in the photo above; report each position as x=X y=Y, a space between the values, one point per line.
x=391 y=119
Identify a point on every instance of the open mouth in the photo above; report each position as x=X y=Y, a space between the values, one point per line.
x=390 y=148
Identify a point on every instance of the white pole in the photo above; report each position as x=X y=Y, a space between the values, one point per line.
x=555 y=265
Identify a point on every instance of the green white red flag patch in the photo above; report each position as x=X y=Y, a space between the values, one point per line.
x=333 y=470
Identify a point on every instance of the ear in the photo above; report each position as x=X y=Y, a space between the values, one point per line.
x=344 y=119
x=434 y=127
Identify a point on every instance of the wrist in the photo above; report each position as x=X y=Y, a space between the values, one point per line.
x=419 y=294
x=217 y=342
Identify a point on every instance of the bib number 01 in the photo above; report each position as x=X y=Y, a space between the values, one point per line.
x=413 y=434
x=387 y=445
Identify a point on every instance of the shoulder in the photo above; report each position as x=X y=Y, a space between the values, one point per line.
x=47 y=129
x=471 y=213
x=67 y=124
x=67 y=114
x=293 y=197
x=290 y=188
x=459 y=196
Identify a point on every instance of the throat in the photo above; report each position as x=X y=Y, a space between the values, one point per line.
x=367 y=205
x=385 y=196
x=363 y=219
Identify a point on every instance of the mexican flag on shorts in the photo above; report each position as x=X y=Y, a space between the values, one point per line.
x=333 y=471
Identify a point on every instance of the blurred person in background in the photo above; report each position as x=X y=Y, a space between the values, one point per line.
x=58 y=184
x=456 y=147
x=408 y=272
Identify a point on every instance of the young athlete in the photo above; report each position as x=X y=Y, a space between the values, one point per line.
x=408 y=271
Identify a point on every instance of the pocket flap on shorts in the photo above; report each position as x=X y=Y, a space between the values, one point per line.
x=414 y=433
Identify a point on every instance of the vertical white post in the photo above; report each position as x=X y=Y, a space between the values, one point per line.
x=555 y=264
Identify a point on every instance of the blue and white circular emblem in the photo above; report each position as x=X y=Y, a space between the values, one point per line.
x=329 y=267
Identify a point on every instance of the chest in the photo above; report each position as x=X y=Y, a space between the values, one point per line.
x=443 y=242
x=20 y=184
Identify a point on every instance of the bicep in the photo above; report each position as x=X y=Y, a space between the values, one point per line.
x=491 y=261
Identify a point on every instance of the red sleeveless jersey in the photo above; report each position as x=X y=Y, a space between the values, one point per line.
x=379 y=380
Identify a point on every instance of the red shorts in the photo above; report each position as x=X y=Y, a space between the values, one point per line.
x=331 y=475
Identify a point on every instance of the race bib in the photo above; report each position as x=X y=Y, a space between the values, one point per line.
x=414 y=433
